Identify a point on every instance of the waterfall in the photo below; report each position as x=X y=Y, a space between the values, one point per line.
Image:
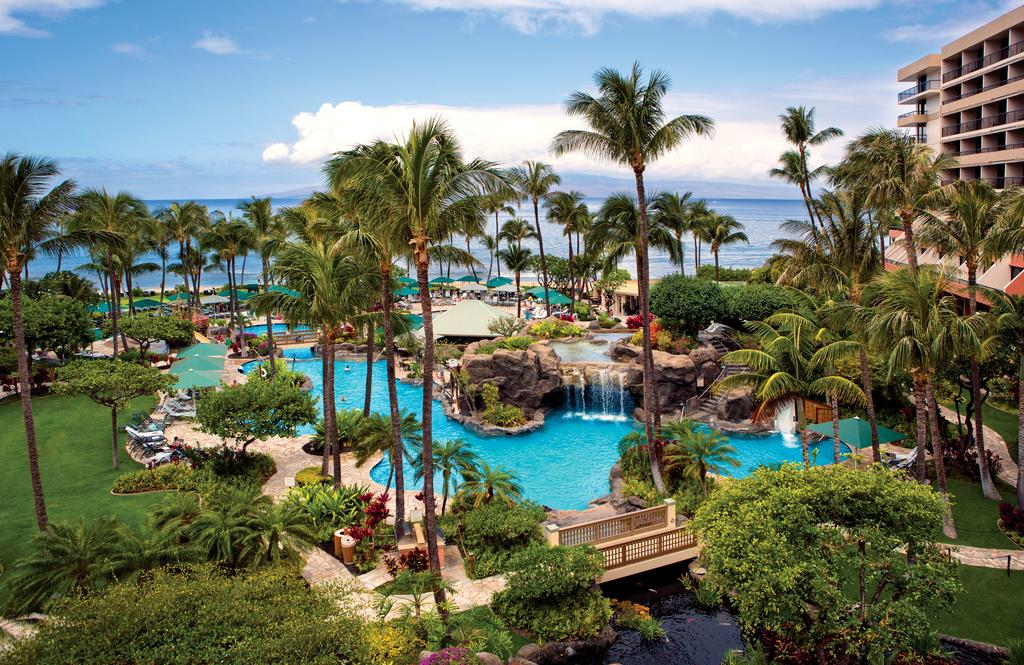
x=603 y=375
x=607 y=394
x=785 y=423
x=622 y=394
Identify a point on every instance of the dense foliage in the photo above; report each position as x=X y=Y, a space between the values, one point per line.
x=550 y=593
x=52 y=323
x=145 y=329
x=516 y=343
x=844 y=561
x=255 y=410
x=497 y=413
x=753 y=302
x=687 y=305
x=494 y=532
x=329 y=508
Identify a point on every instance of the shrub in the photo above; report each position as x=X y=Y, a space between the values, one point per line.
x=330 y=508
x=707 y=271
x=641 y=488
x=753 y=302
x=1012 y=518
x=507 y=326
x=393 y=642
x=633 y=616
x=311 y=476
x=494 y=532
x=518 y=343
x=686 y=304
x=550 y=593
x=414 y=560
x=636 y=322
x=180 y=477
x=498 y=414
x=452 y=656
x=556 y=329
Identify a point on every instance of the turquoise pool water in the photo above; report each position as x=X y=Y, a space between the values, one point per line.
x=565 y=464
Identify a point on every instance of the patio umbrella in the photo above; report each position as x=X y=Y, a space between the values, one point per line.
x=442 y=280
x=200 y=350
x=537 y=292
x=407 y=280
x=467 y=278
x=407 y=291
x=196 y=379
x=557 y=298
x=147 y=303
x=472 y=286
x=856 y=433
x=498 y=281
x=503 y=288
x=284 y=289
x=199 y=363
x=176 y=296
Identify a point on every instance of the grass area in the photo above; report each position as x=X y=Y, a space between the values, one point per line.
x=991 y=609
x=73 y=437
x=975 y=516
x=482 y=618
x=1004 y=422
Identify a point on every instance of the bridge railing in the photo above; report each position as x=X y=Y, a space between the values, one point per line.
x=614 y=528
x=650 y=547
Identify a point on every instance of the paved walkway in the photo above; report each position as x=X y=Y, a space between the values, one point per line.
x=994 y=442
x=986 y=558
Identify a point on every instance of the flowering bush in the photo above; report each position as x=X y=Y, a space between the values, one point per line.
x=635 y=322
x=414 y=560
x=451 y=656
x=1012 y=518
x=201 y=322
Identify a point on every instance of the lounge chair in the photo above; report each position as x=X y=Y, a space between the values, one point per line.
x=901 y=461
x=179 y=409
x=144 y=437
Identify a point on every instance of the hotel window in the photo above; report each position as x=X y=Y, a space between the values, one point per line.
x=1014 y=271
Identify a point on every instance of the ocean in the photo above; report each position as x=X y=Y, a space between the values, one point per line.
x=761 y=217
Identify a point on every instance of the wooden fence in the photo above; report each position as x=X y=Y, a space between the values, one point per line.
x=611 y=528
x=651 y=547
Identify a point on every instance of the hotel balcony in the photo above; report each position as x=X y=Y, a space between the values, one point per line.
x=983 y=123
x=981 y=63
x=912 y=119
x=910 y=95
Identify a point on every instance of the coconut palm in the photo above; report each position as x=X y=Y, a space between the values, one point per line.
x=423 y=190
x=185 y=222
x=66 y=560
x=915 y=319
x=515 y=231
x=376 y=436
x=798 y=128
x=963 y=219
x=723 y=230
x=896 y=173
x=280 y=531
x=229 y=238
x=516 y=260
x=568 y=210
x=534 y=181
x=325 y=289
x=120 y=216
x=781 y=370
x=454 y=458
x=267 y=235
x=627 y=125
x=696 y=452
x=677 y=213
x=495 y=204
x=484 y=484
x=1008 y=333
x=159 y=242
x=30 y=211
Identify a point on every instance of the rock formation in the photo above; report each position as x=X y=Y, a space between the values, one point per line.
x=736 y=405
x=675 y=376
x=523 y=377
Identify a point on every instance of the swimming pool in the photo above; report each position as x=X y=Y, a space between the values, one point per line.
x=565 y=464
x=585 y=351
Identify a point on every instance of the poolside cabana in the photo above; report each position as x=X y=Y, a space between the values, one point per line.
x=856 y=433
x=469 y=318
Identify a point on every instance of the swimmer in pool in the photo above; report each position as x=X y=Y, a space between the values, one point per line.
x=348 y=368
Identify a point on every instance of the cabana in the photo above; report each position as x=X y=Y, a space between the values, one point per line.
x=469 y=318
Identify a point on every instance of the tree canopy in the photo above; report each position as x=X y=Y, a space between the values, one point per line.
x=686 y=304
x=144 y=330
x=52 y=323
x=255 y=411
x=842 y=561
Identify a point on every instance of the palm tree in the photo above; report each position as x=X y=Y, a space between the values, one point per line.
x=375 y=438
x=159 y=242
x=185 y=221
x=675 y=212
x=569 y=210
x=534 y=181
x=230 y=238
x=782 y=370
x=963 y=220
x=1009 y=333
x=723 y=230
x=328 y=286
x=454 y=456
x=516 y=260
x=280 y=531
x=915 y=319
x=226 y=534
x=491 y=245
x=484 y=484
x=894 y=172
x=798 y=128
x=495 y=204
x=120 y=216
x=423 y=191
x=268 y=234
x=515 y=231
x=628 y=126
x=696 y=452
x=29 y=214
x=147 y=548
x=67 y=560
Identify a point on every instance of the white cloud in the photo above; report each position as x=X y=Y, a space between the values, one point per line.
x=11 y=25
x=217 y=44
x=129 y=49
x=529 y=16
x=746 y=144
x=937 y=34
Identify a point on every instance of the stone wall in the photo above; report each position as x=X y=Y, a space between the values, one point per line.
x=523 y=378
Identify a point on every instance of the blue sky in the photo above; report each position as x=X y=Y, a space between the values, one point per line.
x=231 y=98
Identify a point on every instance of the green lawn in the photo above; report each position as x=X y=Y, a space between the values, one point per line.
x=73 y=436
x=991 y=609
x=975 y=516
x=1004 y=422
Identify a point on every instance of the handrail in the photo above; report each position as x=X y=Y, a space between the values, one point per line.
x=990 y=86
x=997 y=148
x=984 y=123
x=612 y=528
x=930 y=84
x=910 y=113
x=980 y=63
x=651 y=547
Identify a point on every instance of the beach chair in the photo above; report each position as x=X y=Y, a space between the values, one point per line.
x=144 y=437
x=901 y=462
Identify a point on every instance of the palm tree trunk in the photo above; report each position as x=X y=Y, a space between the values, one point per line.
x=60 y=257
x=497 y=242
x=865 y=380
x=519 y=298
x=331 y=417
x=988 y=488
x=327 y=359
x=1020 y=435
x=948 y=527
x=444 y=491
x=837 y=446
x=113 y=436
x=270 y=323
x=543 y=261
x=25 y=383
x=908 y=239
x=422 y=258
x=650 y=404
x=472 y=266
x=163 y=276
x=921 y=413
x=369 y=368
x=696 y=255
x=115 y=307
x=715 y=252
x=798 y=408
x=572 y=284
x=397 y=457
x=130 y=286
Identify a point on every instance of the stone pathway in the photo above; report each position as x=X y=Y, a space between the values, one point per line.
x=986 y=558
x=994 y=442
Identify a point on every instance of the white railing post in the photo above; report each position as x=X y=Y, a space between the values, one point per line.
x=670 y=512
x=551 y=533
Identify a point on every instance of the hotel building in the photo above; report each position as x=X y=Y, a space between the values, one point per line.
x=968 y=101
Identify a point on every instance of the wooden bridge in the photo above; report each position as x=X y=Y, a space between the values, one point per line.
x=633 y=542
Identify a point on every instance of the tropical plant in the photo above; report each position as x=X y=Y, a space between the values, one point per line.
x=627 y=125
x=696 y=452
x=722 y=230
x=1008 y=333
x=533 y=181
x=677 y=213
x=329 y=508
x=486 y=484
x=255 y=411
x=568 y=210
x=455 y=458
x=375 y=436
x=516 y=259
x=799 y=129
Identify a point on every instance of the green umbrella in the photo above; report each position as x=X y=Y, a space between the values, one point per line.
x=241 y=296
x=498 y=281
x=467 y=278
x=406 y=291
x=284 y=289
x=442 y=280
x=537 y=292
x=176 y=296
x=196 y=379
x=200 y=363
x=407 y=280
x=557 y=298
x=147 y=303
x=856 y=433
x=201 y=350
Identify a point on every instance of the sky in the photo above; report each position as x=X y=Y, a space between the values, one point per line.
x=238 y=97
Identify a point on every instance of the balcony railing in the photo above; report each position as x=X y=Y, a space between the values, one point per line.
x=921 y=138
x=998 y=183
x=984 y=123
x=991 y=86
x=995 y=148
x=975 y=65
x=932 y=84
x=907 y=115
